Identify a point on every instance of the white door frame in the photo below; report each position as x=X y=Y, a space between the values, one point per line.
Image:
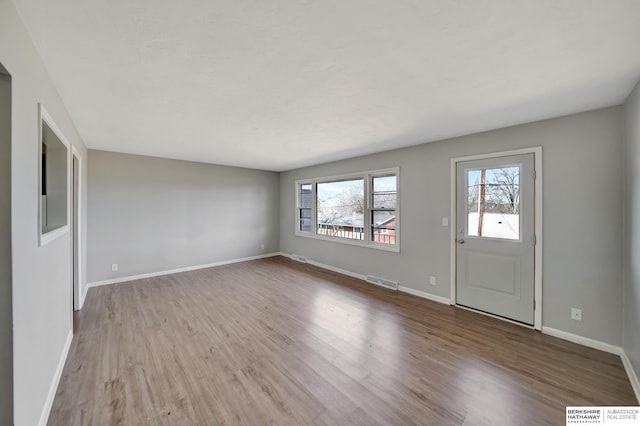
x=537 y=155
x=76 y=236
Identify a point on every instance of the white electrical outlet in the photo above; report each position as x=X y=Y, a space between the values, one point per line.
x=262 y=246
x=576 y=314
x=432 y=280
x=445 y=221
x=114 y=267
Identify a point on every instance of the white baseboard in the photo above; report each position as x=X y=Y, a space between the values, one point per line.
x=362 y=277
x=338 y=270
x=327 y=267
x=425 y=295
x=175 y=271
x=83 y=296
x=633 y=377
x=585 y=341
x=53 y=388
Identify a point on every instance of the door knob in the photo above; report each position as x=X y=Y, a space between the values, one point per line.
x=461 y=241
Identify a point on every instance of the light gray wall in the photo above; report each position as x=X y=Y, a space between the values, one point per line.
x=150 y=214
x=582 y=165
x=632 y=229
x=6 y=329
x=41 y=275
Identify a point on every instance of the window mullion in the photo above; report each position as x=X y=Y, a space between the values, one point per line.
x=314 y=213
x=365 y=222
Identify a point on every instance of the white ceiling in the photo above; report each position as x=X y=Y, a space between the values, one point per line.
x=280 y=84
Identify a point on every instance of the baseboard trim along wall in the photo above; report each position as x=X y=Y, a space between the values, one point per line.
x=633 y=377
x=362 y=277
x=46 y=410
x=585 y=341
x=425 y=295
x=177 y=270
x=83 y=296
x=606 y=347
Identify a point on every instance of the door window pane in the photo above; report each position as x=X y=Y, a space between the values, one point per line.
x=493 y=203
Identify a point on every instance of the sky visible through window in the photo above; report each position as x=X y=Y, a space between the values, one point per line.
x=385 y=183
x=332 y=194
x=492 y=176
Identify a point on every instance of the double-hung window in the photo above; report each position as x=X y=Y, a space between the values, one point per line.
x=360 y=209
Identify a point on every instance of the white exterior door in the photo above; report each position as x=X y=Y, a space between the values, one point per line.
x=495 y=244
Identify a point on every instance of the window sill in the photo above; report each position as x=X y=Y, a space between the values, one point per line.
x=53 y=235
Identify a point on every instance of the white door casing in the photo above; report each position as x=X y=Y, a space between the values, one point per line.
x=496 y=267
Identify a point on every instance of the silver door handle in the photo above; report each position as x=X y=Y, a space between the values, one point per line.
x=461 y=241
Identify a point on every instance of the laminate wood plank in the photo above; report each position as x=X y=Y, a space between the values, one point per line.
x=274 y=341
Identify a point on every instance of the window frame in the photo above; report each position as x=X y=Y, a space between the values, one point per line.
x=367 y=177
x=46 y=237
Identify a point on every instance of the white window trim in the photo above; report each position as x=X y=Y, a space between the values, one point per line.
x=367 y=177
x=47 y=237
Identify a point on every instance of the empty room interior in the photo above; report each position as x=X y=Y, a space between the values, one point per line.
x=328 y=213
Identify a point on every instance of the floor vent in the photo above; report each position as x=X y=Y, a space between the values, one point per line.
x=301 y=259
x=393 y=285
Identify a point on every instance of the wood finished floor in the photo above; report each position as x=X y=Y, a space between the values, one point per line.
x=273 y=341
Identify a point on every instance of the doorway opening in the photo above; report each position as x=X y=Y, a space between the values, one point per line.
x=496 y=234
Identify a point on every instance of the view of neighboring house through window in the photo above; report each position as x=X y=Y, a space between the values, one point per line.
x=340 y=208
x=384 y=202
x=359 y=209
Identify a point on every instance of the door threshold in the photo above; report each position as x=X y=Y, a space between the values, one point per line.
x=522 y=324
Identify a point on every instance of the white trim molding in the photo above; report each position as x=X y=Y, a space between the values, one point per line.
x=83 y=296
x=175 y=271
x=362 y=277
x=581 y=340
x=45 y=117
x=537 y=155
x=46 y=410
x=424 y=295
x=633 y=377
x=606 y=347
x=327 y=267
x=337 y=270
x=77 y=286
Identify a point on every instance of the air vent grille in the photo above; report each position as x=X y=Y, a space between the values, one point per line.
x=299 y=258
x=393 y=285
